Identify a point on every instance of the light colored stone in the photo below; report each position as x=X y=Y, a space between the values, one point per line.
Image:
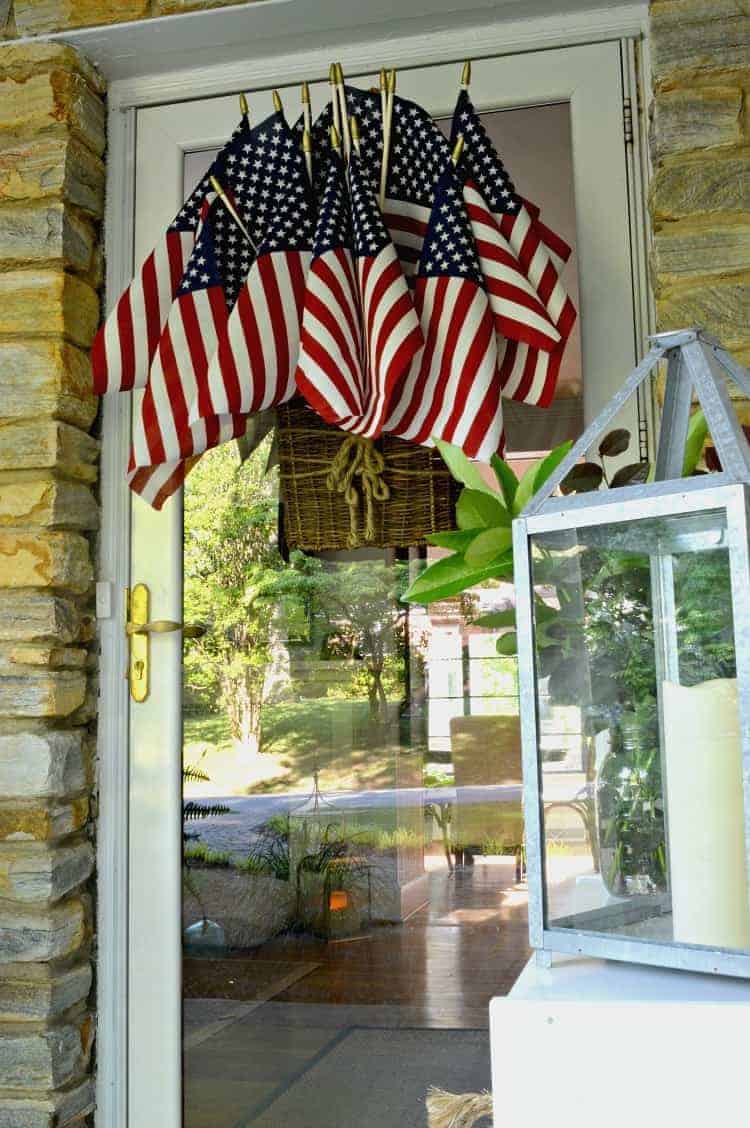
x=32 y=822
x=48 y=303
x=681 y=250
x=64 y=505
x=32 y=616
x=42 y=559
x=34 y=872
x=699 y=39
x=723 y=307
x=40 y=654
x=45 y=167
x=702 y=187
x=29 y=934
x=36 y=997
x=42 y=56
x=54 y=102
x=37 y=17
x=40 y=444
x=41 y=232
x=684 y=120
x=35 y=693
x=42 y=1059
x=43 y=377
x=48 y=1110
x=42 y=765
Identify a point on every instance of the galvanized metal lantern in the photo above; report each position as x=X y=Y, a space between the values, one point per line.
x=633 y=619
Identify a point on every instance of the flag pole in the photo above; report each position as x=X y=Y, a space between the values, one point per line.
x=466 y=75
x=307 y=149
x=458 y=149
x=354 y=128
x=383 y=95
x=277 y=103
x=390 y=92
x=335 y=139
x=244 y=108
x=232 y=211
x=335 y=115
x=344 y=111
x=306 y=110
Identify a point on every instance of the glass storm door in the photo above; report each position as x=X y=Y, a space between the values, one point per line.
x=325 y=787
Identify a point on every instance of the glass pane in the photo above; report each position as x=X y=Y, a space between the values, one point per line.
x=351 y=897
x=639 y=731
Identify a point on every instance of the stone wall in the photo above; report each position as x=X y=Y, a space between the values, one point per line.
x=700 y=142
x=40 y=17
x=51 y=197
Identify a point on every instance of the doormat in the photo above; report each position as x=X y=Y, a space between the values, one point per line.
x=375 y=1077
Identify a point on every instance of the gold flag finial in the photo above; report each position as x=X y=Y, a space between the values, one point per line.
x=305 y=95
x=332 y=73
x=231 y=209
x=339 y=74
x=458 y=149
x=354 y=127
x=466 y=74
x=335 y=138
x=244 y=108
x=307 y=145
x=392 y=81
x=383 y=78
x=277 y=102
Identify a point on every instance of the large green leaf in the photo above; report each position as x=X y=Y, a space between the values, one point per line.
x=696 y=438
x=452 y=575
x=477 y=510
x=487 y=546
x=457 y=539
x=583 y=478
x=506 y=478
x=496 y=619
x=548 y=465
x=525 y=488
x=507 y=644
x=462 y=468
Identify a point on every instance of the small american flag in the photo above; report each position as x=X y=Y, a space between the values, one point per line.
x=452 y=390
x=329 y=369
x=254 y=364
x=504 y=222
x=390 y=326
x=163 y=436
x=126 y=343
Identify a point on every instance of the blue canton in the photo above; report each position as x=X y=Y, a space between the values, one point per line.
x=188 y=217
x=333 y=228
x=482 y=160
x=448 y=249
x=370 y=233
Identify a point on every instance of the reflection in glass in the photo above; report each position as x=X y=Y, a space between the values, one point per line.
x=639 y=731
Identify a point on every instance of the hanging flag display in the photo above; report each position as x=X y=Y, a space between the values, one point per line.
x=398 y=284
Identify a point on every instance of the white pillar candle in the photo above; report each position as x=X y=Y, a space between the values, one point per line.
x=706 y=814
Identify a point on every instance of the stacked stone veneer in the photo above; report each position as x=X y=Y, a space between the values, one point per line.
x=700 y=142
x=51 y=195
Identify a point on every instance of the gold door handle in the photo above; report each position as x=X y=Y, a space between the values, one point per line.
x=139 y=628
x=164 y=626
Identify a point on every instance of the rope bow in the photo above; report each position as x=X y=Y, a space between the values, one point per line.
x=357 y=458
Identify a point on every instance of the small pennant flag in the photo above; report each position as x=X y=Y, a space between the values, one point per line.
x=452 y=390
x=504 y=222
x=253 y=366
x=329 y=370
x=126 y=343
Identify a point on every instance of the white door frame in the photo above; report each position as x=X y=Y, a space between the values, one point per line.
x=125 y=99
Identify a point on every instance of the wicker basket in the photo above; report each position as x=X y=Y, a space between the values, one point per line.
x=389 y=494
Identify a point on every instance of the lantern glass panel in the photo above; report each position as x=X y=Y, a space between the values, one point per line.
x=640 y=758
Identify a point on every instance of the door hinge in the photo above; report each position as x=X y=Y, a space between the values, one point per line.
x=627 y=120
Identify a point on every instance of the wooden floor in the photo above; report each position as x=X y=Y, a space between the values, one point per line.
x=442 y=966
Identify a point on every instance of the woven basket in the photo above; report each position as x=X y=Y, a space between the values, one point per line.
x=319 y=513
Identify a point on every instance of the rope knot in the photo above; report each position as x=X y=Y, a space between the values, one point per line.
x=357 y=470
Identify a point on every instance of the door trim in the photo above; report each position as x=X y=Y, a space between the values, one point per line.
x=114 y=544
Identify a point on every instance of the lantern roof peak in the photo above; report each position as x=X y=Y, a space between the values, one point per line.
x=698 y=368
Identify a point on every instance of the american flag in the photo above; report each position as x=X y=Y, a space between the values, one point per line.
x=126 y=343
x=329 y=369
x=254 y=364
x=502 y=219
x=452 y=390
x=390 y=326
x=163 y=436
